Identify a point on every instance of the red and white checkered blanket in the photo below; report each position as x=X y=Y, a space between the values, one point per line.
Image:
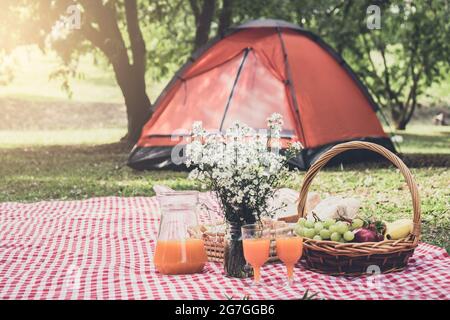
x=102 y=248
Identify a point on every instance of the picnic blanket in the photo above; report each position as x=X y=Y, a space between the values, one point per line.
x=102 y=248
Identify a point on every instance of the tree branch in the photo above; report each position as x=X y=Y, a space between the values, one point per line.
x=225 y=16
x=411 y=102
x=108 y=36
x=387 y=79
x=195 y=9
x=94 y=36
x=373 y=73
x=203 y=23
x=136 y=39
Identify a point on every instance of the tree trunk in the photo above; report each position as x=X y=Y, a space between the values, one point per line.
x=130 y=76
x=401 y=125
x=402 y=115
x=398 y=117
x=225 y=16
x=139 y=109
x=203 y=20
x=138 y=105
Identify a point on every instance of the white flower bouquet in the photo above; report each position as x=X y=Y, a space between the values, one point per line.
x=243 y=166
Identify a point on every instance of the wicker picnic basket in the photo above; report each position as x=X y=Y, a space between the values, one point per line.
x=359 y=258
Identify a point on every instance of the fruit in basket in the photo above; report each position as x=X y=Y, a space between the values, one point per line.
x=329 y=222
x=330 y=229
x=309 y=224
x=301 y=222
x=309 y=233
x=335 y=236
x=357 y=223
x=366 y=235
x=399 y=229
x=333 y=228
x=349 y=236
x=325 y=234
x=298 y=229
x=342 y=227
x=372 y=231
x=379 y=226
x=318 y=226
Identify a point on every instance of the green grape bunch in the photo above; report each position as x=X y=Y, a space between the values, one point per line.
x=328 y=230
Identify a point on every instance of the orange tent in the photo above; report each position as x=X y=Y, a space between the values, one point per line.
x=259 y=68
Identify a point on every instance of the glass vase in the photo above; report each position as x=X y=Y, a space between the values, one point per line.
x=234 y=262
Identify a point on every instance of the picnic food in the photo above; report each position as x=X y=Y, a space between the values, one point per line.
x=366 y=235
x=399 y=229
x=180 y=257
x=372 y=230
x=354 y=258
x=357 y=223
x=330 y=229
x=334 y=207
x=349 y=236
x=288 y=212
x=312 y=201
x=353 y=230
x=325 y=234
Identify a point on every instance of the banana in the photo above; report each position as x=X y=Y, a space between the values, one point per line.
x=398 y=229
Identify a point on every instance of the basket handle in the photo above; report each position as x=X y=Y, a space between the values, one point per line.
x=328 y=155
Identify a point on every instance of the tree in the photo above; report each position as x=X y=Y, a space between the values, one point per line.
x=129 y=69
x=110 y=27
x=204 y=14
x=183 y=27
x=397 y=62
x=114 y=28
x=414 y=52
x=407 y=55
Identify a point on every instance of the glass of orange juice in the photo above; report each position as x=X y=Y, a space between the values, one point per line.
x=289 y=250
x=256 y=243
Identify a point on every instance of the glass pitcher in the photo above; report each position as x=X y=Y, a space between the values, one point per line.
x=179 y=249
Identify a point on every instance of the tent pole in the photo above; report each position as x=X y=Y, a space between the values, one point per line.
x=290 y=84
x=238 y=74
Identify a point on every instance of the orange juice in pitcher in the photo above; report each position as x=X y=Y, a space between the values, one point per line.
x=180 y=256
x=177 y=251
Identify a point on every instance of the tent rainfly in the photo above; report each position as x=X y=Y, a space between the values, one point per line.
x=256 y=69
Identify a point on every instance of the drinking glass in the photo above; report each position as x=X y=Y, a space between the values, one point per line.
x=256 y=243
x=289 y=250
